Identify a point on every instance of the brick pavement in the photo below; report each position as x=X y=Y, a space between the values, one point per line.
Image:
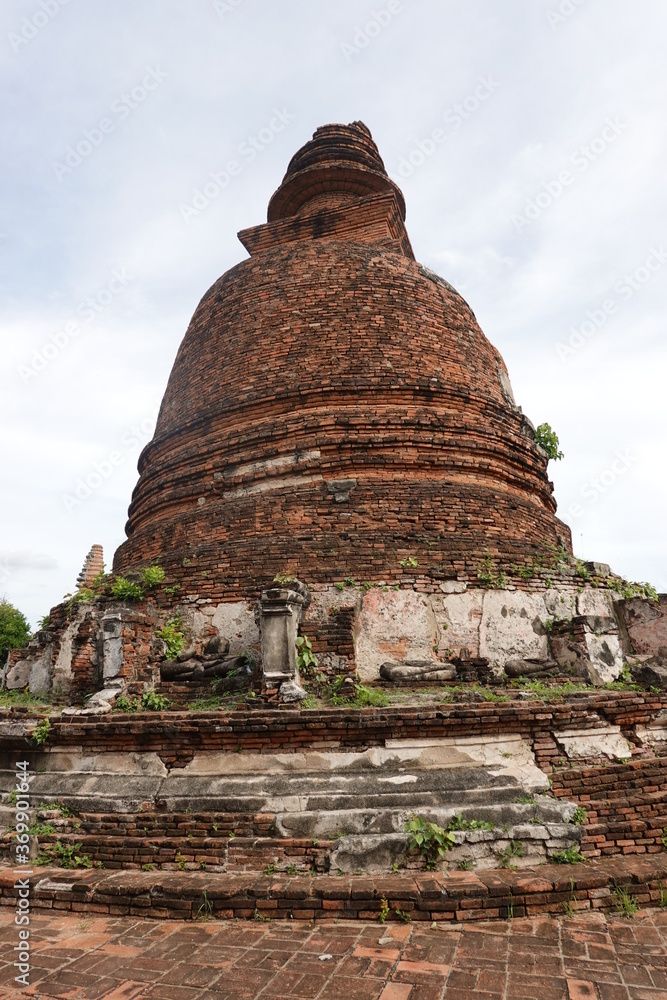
x=589 y=957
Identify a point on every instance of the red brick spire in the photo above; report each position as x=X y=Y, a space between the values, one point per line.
x=339 y=165
x=336 y=187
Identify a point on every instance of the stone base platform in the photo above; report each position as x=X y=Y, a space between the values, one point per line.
x=603 y=884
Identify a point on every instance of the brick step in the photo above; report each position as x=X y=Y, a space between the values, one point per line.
x=482 y=895
x=367 y=852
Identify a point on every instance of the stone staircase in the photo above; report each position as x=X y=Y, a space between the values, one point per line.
x=323 y=810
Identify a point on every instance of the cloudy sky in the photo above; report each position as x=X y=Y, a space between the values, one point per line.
x=527 y=135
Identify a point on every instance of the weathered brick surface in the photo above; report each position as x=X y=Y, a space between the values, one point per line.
x=330 y=355
x=626 y=803
x=461 y=896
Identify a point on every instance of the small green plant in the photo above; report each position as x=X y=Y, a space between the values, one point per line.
x=124 y=704
x=186 y=561
x=270 y=870
x=664 y=837
x=126 y=590
x=626 y=903
x=84 y=595
x=152 y=575
x=457 y=822
x=173 y=636
x=487 y=574
x=153 y=702
x=507 y=855
x=180 y=861
x=260 y=916
x=64 y=855
x=409 y=563
x=40 y=733
x=547 y=439
x=570 y=856
x=148 y=867
x=339 y=585
x=283 y=577
x=41 y=830
x=209 y=704
x=465 y=865
x=403 y=915
x=205 y=911
x=662 y=900
x=10 y=698
x=305 y=658
x=510 y=907
x=431 y=840
x=43 y=623
x=174 y=589
x=579 y=816
x=54 y=807
x=291 y=869
x=384 y=910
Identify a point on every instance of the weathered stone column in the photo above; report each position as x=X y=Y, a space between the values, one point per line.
x=280 y=613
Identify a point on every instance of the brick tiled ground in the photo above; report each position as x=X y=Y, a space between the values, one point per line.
x=103 y=958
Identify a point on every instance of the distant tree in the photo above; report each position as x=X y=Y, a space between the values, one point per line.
x=15 y=631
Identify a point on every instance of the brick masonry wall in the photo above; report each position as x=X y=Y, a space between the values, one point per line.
x=178 y=736
x=626 y=803
x=459 y=896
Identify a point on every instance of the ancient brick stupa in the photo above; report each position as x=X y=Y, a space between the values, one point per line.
x=334 y=408
x=339 y=453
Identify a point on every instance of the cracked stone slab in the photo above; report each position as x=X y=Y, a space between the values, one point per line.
x=606 y=742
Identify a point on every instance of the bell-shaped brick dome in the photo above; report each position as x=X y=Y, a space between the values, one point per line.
x=334 y=409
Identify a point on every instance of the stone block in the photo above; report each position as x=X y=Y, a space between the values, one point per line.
x=18 y=676
x=512 y=627
x=458 y=617
x=236 y=622
x=603 y=742
x=393 y=626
